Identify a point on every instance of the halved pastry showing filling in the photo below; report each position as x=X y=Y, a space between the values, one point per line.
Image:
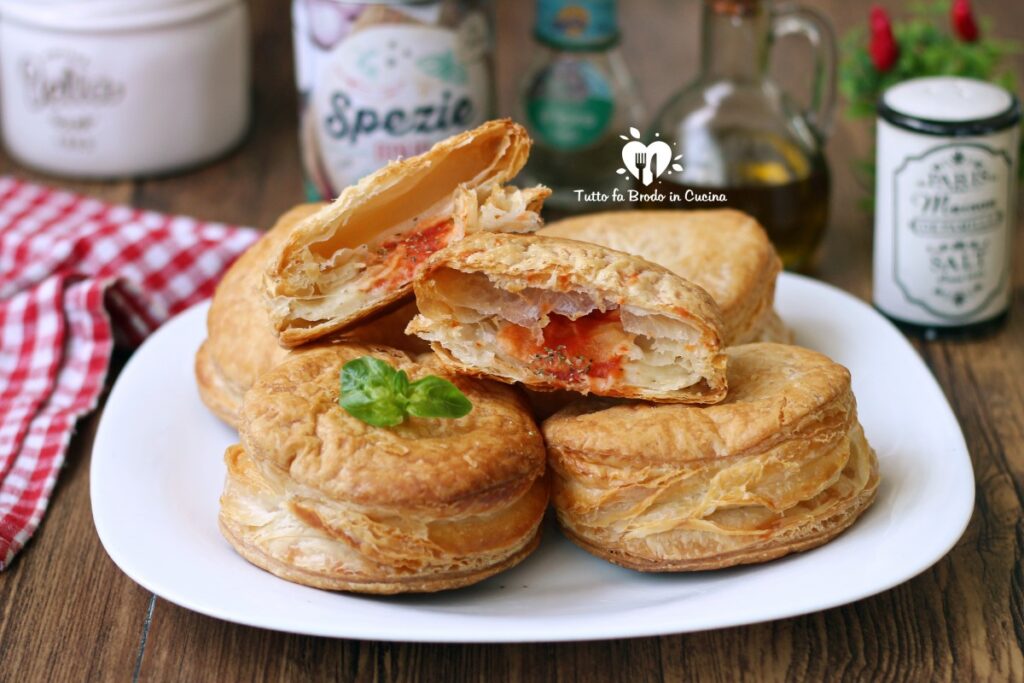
x=358 y=255
x=724 y=251
x=559 y=314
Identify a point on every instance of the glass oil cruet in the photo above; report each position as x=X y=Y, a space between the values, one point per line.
x=741 y=137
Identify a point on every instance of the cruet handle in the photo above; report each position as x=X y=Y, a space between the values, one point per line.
x=790 y=19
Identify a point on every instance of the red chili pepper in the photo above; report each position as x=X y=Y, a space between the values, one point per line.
x=962 y=17
x=883 y=48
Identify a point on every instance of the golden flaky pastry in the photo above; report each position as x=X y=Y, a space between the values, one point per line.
x=357 y=256
x=726 y=252
x=240 y=344
x=779 y=466
x=561 y=314
x=318 y=497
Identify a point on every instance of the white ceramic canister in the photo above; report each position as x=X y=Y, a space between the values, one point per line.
x=384 y=79
x=114 y=88
x=946 y=202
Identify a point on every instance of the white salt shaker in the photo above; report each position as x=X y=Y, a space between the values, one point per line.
x=113 y=88
x=946 y=203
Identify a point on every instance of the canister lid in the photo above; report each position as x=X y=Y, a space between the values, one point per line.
x=950 y=106
x=94 y=15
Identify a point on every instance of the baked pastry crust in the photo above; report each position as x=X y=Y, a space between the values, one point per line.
x=240 y=344
x=724 y=251
x=780 y=466
x=318 y=497
x=357 y=255
x=491 y=304
x=773 y=329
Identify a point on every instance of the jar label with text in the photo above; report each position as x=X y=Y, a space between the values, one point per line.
x=570 y=105
x=952 y=205
x=67 y=91
x=392 y=91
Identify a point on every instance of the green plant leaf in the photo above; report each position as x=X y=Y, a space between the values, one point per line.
x=927 y=48
x=380 y=395
x=399 y=382
x=433 y=396
x=368 y=392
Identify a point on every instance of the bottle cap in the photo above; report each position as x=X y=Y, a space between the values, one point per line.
x=737 y=8
x=577 y=24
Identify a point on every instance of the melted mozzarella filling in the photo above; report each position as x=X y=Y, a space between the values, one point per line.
x=352 y=278
x=568 y=338
x=355 y=277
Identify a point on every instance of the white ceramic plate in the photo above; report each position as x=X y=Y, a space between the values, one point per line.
x=157 y=473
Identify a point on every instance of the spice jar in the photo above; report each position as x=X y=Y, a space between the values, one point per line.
x=945 y=203
x=110 y=88
x=383 y=80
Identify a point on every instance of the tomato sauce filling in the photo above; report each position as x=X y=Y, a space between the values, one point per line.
x=590 y=347
x=400 y=256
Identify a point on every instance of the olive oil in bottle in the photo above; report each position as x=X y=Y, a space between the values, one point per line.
x=785 y=189
x=743 y=142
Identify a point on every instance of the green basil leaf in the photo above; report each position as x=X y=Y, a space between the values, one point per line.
x=400 y=383
x=432 y=396
x=366 y=370
x=380 y=395
x=368 y=392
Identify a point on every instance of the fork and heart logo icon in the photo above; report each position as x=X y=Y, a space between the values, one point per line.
x=647 y=162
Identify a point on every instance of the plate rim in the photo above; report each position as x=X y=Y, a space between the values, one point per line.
x=594 y=629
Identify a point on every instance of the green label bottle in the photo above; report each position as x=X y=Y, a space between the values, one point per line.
x=577 y=98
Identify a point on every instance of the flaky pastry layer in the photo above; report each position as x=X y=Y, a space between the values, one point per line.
x=561 y=314
x=298 y=534
x=317 y=496
x=240 y=344
x=358 y=254
x=291 y=418
x=778 y=467
x=724 y=251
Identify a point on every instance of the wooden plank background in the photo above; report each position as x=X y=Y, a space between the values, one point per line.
x=67 y=613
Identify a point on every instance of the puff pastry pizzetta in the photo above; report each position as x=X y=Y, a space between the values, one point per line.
x=780 y=466
x=240 y=343
x=315 y=496
x=560 y=314
x=724 y=251
x=358 y=255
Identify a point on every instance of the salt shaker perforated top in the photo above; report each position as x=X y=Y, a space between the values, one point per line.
x=946 y=202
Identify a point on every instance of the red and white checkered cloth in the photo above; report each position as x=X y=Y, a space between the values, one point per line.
x=75 y=274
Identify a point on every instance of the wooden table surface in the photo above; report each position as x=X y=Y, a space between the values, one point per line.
x=67 y=613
